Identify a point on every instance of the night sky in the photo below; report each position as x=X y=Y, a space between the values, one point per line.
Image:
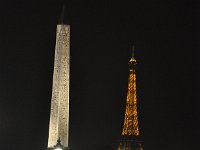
x=102 y=34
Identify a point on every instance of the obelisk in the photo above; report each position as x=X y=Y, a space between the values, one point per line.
x=59 y=116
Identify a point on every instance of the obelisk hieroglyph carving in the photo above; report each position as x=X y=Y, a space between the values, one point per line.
x=59 y=117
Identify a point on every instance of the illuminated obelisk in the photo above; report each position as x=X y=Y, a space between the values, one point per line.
x=59 y=117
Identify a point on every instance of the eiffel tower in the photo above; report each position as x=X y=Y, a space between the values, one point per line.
x=130 y=132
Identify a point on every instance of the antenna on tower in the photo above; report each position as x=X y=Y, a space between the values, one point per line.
x=133 y=60
x=133 y=49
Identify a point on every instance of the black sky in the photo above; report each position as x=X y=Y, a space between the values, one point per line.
x=102 y=34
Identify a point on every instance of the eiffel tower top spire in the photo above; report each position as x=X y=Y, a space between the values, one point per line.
x=133 y=61
x=133 y=49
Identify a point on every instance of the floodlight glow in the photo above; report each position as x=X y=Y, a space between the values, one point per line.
x=59 y=148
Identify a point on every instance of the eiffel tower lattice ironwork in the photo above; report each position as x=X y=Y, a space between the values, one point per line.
x=130 y=130
x=131 y=116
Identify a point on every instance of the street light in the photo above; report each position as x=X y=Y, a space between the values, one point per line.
x=58 y=146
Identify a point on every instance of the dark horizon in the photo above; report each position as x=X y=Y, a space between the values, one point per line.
x=102 y=35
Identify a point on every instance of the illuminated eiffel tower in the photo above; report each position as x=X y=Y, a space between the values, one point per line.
x=131 y=131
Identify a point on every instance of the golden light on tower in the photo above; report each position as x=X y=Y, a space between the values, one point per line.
x=131 y=117
x=130 y=133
